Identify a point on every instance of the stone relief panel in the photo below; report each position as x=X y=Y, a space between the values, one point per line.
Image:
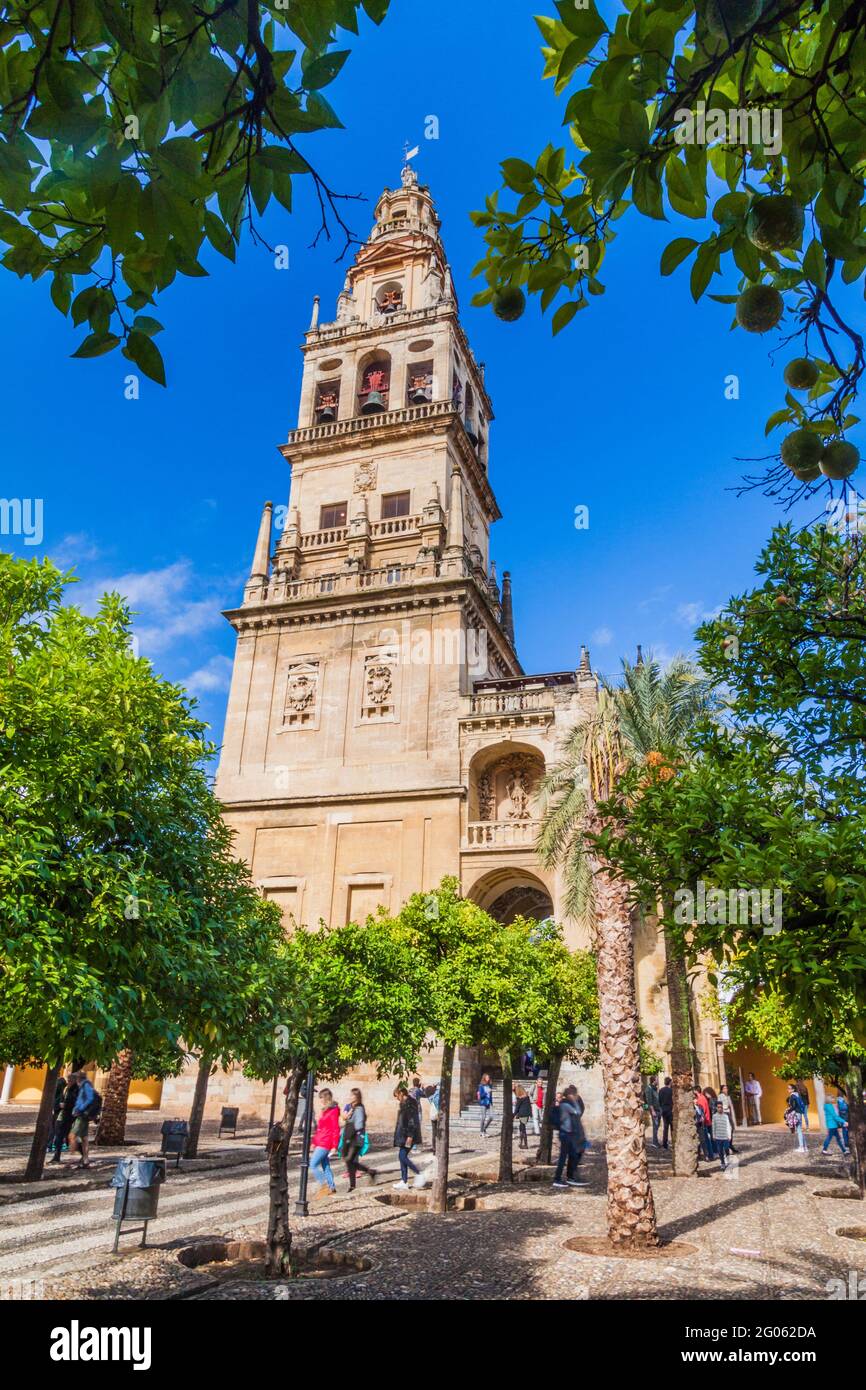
x=379 y=694
x=506 y=790
x=365 y=476
x=303 y=687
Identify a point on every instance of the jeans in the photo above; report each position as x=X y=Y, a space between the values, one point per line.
x=320 y=1167
x=406 y=1163
x=486 y=1117
x=61 y=1133
x=845 y=1136
x=569 y=1157
x=723 y=1146
x=667 y=1121
x=524 y=1143
x=707 y=1140
x=536 y=1118
x=655 y=1116
x=831 y=1135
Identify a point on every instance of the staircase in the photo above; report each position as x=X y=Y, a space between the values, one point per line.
x=469 y=1119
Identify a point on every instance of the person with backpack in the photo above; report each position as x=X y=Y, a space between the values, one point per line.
x=88 y=1104
x=522 y=1113
x=721 y=1133
x=572 y=1139
x=325 y=1138
x=803 y=1093
x=484 y=1096
x=356 y=1141
x=666 y=1108
x=704 y=1123
x=833 y=1121
x=794 y=1118
x=407 y=1132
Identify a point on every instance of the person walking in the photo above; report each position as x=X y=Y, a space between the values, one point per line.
x=537 y=1106
x=64 y=1121
x=753 y=1093
x=721 y=1134
x=484 y=1096
x=704 y=1123
x=522 y=1113
x=794 y=1118
x=416 y=1091
x=406 y=1132
x=803 y=1093
x=833 y=1121
x=325 y=1138
x=727 y=1105
x=653 y=1107
x=57 y=1107
x=666 y=1108
x=355 y=1141
x=433 y=1102
x=86 y=1108
x=842 y=1108
x=572 y=1140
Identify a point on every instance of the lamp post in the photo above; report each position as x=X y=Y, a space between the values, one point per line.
x=302 y=1206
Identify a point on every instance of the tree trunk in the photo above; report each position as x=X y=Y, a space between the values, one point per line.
x=278 y=1259
x=438 y=1200
x=112 y=1121
x=631 y=1218
x=685 y=1147
x=506 y=1137
x=196 y=1114
x=857 y=1124
x=36 y=1161
x=545 y=1143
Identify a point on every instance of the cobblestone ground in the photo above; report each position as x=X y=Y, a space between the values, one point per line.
x=759 y=1233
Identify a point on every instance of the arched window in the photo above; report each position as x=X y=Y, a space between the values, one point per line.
x=374 y=382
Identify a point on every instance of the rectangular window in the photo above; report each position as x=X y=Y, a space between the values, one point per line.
x=395 y=504
x=332 y=515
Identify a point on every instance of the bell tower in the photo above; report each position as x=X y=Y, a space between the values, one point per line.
x=363 y=630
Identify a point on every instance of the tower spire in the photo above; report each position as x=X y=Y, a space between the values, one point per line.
x=507 y=611
x=262 y=557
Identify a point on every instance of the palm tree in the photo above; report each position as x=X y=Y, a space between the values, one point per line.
x=647 y=719
x=594 y=759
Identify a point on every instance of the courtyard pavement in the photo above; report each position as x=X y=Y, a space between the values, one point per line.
x=766 y=1231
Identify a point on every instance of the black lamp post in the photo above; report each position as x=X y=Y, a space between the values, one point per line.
x=302 y=1206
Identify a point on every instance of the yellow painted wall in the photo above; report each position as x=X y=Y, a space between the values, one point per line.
x=27 y=1085
x=751 y=1057
x=145 y=1095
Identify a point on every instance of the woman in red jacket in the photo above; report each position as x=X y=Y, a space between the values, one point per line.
x=326 y=1138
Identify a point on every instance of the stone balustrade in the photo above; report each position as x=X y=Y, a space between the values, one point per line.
x=502 y=834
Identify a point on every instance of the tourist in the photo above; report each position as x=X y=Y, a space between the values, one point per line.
x=721 y=1133
x=842 y=1107
x=59 y=1090
x=406 y=1134
x=794 y=1118
x=652 y=1106
x=522 y=1113
x=833 y=1121
x=803 y=1093
x=433 y=1102
x=753 y=1093
x=666 y=1107
x=537 y=1106
x=64 y=1122
x=484 y=1096
x=325 y=1138
x=704 y=1123
x=355 y=1140
x=85 y=1109
x=572 y=1140
x=416 y=1091
x=728 y=1106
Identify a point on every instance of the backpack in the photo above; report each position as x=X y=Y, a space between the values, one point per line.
x=791 y=1119
x=554 y=1117
x=94 y=1109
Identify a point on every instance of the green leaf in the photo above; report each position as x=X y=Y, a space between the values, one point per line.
x=676 y=252
x=145 y=354
x=518 y=174
x=95 y=344
x=564 y=314
x=323 y=70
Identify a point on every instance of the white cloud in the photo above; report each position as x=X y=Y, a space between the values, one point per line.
x=692 y=614
x=601 y=637
x=214 y=675
x=75 y=549
x=658 y=595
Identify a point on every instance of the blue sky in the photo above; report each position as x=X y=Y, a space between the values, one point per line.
x=623 y=412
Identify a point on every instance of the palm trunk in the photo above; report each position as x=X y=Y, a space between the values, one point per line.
x=196 y=1114
x=36 y=1160
x=506 y=1137
x=438 y=1200
x=278 y=1259
x=545 y=1143
x=631 y=1218
x=112 y=1121
x=857 y=1124
x=685 y=1147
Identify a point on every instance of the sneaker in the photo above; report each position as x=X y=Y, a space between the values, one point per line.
x=575 y=1182
x=323 y=1190
x=563 y=1185
x=401 y=1186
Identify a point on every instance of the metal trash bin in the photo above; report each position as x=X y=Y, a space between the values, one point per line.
x=229 y=1120
x=136 y=1197
x=175 y=1134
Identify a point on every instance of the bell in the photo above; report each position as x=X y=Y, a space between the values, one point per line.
x=419 y=395
x=325 y=414
x=373 y=404
x=473 y=437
